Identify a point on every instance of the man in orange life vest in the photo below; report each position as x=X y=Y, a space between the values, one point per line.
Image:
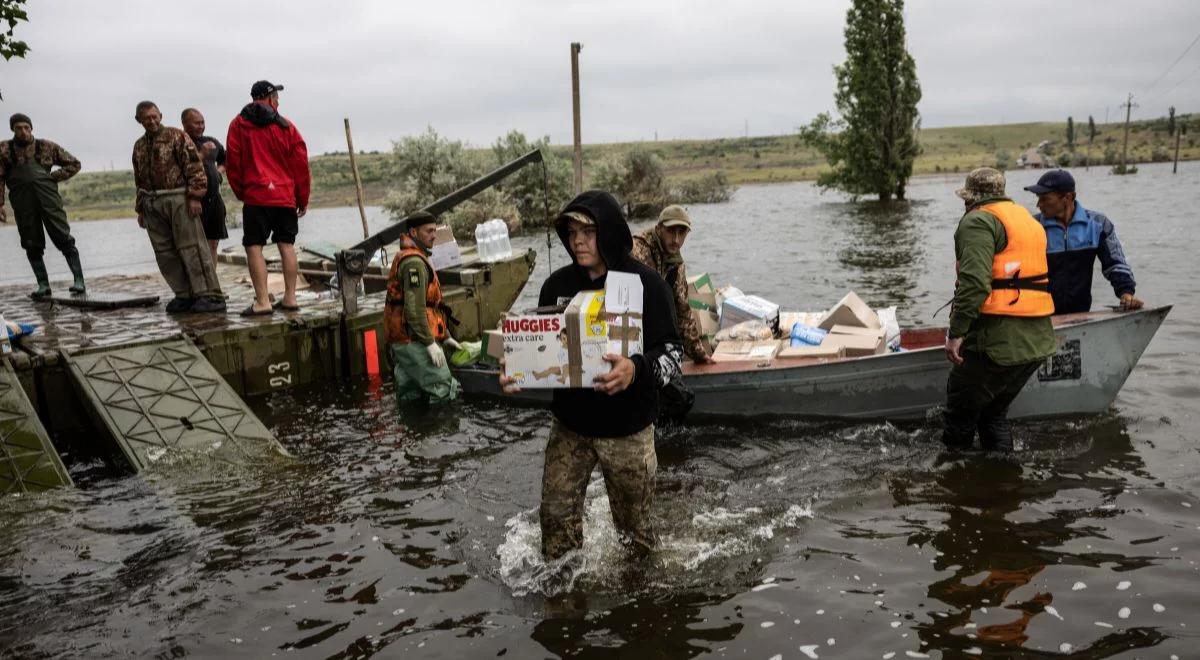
x=1000 y=330
x=416 y=319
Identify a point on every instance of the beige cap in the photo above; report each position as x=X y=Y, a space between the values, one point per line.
x=576 y=216
x=674 y=216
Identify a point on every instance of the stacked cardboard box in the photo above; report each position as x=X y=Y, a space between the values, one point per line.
x=702 y=300
x=546 y=351
x=749 y=308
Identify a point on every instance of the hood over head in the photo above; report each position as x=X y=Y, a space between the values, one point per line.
x=613 y=237
x=261 y=114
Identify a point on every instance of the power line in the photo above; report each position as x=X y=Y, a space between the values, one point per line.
x=1180 y=82
x=1177 y=60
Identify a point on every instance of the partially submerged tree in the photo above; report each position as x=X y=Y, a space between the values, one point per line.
x=1070 y=134
x=874 y=143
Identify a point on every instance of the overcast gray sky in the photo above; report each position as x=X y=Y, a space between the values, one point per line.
x=474 y=70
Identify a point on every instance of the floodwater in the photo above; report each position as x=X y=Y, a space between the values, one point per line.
x=414 y=535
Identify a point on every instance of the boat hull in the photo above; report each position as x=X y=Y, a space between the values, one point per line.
x=1097 y=351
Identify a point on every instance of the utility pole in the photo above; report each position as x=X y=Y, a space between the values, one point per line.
x=1129 y=105
x=575 y=48
x=1179 y=131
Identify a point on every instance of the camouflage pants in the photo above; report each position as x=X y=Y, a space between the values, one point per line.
x=628 y=464
x=180 y=247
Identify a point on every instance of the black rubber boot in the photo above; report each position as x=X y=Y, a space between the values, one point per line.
x=77 y=270
x=996 y=435
x=43 y=280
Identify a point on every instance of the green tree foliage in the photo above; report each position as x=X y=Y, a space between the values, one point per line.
x=1171 y=121
x=526 y=186
x=427 y=167
x=11 y=13
x=1092 y=132
x=708 y=189
x=1070 y=134
x=638 y=181
x=873 y=145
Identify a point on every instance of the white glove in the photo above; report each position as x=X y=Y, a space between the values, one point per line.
x=451 y=343
x=436 y=355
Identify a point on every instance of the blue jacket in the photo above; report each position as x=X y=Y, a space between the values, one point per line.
x=1072 y=253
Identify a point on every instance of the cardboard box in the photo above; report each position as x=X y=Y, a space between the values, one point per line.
x=822 y=351
x=445 y=249
x=746 y=351
x=551 y=351
x=702 y=294
x=708 y=322
x=737 y=309
x=854 y=330
x=492 y=350
x=850 y=310
x=855 y=345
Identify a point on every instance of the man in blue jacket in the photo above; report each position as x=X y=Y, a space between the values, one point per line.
x=1075 y=237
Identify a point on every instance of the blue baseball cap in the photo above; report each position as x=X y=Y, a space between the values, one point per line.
x=1059 y=181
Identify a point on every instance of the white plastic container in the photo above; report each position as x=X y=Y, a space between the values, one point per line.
x=481 y=246
x=5 y=344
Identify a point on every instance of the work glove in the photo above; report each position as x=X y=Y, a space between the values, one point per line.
x=452 y=344
x=436 y=355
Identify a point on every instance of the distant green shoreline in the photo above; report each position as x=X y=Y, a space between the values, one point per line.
x=771 y=159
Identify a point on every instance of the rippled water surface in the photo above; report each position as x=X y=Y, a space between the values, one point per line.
x=415 y=534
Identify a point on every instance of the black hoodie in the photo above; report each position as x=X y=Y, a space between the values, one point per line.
x=586 y=411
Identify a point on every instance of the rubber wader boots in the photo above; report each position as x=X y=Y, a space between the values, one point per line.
x=77 y=271
x=43 y=280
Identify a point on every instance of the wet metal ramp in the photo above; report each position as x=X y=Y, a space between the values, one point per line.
x=28 y=461
x=164 y=401
x=104 y=300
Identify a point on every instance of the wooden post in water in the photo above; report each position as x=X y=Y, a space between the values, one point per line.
x=362 y=211
x=575 y=48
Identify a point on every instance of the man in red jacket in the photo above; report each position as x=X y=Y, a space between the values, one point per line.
x=266 y=162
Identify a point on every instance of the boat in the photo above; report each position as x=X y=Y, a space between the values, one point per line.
x=1096 y=353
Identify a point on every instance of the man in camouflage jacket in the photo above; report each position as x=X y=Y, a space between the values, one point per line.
x=26 y=166
x=171 y=185
x=660 y=248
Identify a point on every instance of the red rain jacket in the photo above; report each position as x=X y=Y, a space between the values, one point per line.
x=266 y=160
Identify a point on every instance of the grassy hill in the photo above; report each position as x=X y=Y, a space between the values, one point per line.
x=744 y=160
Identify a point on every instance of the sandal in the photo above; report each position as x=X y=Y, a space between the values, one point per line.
x=286 y=308
x=250 y=311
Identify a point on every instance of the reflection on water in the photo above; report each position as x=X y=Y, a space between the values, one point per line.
x=411 y=534
x=883 y=243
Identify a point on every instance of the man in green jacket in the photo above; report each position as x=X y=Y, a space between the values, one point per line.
x=26 y=166
x=1000 y=329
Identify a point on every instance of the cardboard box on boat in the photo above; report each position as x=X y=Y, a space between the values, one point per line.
x=856 y=344
x=746 y=351
x=702 y=295
x=445 y=249
x=855 y=330
x=565 y=350
x=822 y=351
x=737 y=309
x=850 y=310
x=492 y=350
x=708 y=322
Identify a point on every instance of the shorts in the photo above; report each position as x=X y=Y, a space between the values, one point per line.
x=213 y=219
x=260 y=223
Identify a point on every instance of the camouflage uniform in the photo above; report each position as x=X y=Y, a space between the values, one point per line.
x=628 y=464
x=37 y=204
x=168 y=171
x=649 y=250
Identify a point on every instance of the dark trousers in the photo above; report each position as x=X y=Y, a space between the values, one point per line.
x=978 y=394
x=39 y=211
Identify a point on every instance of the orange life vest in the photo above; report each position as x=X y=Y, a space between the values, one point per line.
x=393 y=313
x=1020 y=275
